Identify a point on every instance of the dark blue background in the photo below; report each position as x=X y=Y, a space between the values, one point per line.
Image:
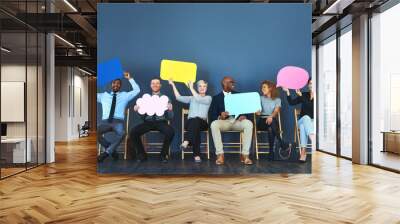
x=249 y=42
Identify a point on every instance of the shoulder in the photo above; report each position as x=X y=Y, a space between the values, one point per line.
x=218 y=95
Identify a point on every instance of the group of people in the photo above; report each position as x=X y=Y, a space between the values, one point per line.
x=201 y=107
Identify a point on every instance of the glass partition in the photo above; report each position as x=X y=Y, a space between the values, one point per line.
x=385 y=88
x=327 y=95
x=22 y=78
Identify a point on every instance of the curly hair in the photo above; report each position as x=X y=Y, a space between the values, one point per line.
x=272 y=86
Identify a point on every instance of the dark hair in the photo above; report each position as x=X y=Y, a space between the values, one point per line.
x=120 y=82
x=155 y=78
x=270 y=84
x=309 y=80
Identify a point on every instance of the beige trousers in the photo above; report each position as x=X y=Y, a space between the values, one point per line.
x=244 y=126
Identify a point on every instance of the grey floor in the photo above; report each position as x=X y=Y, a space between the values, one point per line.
x=176 y=166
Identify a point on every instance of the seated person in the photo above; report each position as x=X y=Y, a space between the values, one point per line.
x=306 y=118
x=199 y=104
x=153 y=123
x=113 y=104
x=271 y=105
x=222 y=121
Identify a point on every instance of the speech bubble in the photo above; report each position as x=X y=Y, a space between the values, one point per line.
x=292 y=77
x=178 y=71
x=108 y=71
x=151 y=105
x=242 y=103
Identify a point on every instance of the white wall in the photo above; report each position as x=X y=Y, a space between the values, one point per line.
x=71 y=102
x=33 y=127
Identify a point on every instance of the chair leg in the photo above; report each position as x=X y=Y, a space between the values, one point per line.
x=256 y=143
x=182 y=151
x=241 y=142
x=126 y=147
x=208 y=145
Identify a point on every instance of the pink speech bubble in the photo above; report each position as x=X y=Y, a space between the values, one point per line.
x=292 y=77
x=151 y=105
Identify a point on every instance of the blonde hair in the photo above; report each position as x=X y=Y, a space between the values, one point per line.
x=198 y=83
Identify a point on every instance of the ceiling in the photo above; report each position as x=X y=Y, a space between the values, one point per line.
x=75 y=22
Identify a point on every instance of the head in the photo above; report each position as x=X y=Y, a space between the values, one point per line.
x=202 y=86
x=269 y=88
x=228 y=84
x=310 y=85
x=116 y=85
x=155 y=85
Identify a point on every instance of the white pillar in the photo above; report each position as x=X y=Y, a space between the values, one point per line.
x=360 y=90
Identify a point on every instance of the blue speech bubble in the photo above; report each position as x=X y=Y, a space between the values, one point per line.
x=242 y=103
x=108 y=71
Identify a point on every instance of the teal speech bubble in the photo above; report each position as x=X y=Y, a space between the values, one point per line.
x=242 y=103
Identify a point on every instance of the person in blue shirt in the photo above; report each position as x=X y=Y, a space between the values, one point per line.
x=271 y=106
x=199 y=104
x=113 y=104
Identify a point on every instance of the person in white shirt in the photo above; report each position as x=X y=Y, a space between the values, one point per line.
x=113 y=104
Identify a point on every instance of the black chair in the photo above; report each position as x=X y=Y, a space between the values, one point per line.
x=84 y=130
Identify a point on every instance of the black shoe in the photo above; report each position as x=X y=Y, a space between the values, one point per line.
x=102 y=157
x=164 y=158
x=141 y=157
x=114 y=155
x=104 y=143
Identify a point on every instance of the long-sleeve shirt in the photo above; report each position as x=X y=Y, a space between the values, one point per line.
x=123 y=98
x=307 y=105
x=168 y=114
x=198 y=105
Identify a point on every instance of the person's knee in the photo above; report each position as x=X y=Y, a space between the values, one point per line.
x=215 y=126
x=134 y=133
x=169 y=132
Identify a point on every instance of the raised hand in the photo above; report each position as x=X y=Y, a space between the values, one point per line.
x=136 y=108
x=171 y=82
x=298 y=92
x=127 y=75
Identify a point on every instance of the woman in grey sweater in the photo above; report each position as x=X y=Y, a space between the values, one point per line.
x=199 y=104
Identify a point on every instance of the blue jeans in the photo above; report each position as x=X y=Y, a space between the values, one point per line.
x=306 y=126
x=116 y=126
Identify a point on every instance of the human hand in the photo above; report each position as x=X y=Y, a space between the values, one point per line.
x=190 y=84
x=169 y=106
x=171 y=82
x=127 y=75
x=224 y=115
x=286 y=90
x=268 y=120
x=298 y=92
x=258 y=113
x=136 y=108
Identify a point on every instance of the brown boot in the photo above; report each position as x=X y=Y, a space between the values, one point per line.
x=247 y=160
x=220 y=159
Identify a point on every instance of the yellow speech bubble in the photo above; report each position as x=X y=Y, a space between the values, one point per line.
x=178 y=71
